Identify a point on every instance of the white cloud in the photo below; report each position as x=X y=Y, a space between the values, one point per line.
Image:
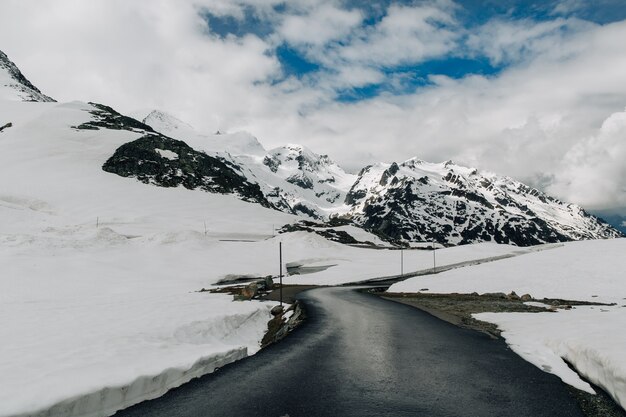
x=322 y=24
x=512 y=41
x=593 y=171
x=527 y=122
x=404 y=35
x=568 y=6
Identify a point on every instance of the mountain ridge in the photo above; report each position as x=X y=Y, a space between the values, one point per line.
x=418 y=200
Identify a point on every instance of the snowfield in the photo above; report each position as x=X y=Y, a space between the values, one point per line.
x=99 y=301
x=591 y=338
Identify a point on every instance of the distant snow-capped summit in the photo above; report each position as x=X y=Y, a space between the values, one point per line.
x=452 y=204
x=237 y=143
x=300 y=166
x=14 y=86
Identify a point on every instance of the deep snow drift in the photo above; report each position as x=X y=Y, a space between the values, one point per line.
x=589 y=337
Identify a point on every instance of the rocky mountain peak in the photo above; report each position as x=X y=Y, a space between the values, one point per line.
x=452 y=204
x=303 y=167
x=14 y=85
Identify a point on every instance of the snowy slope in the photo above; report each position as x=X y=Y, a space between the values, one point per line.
x=239 y=143
x=14 y=86
x=451 y=204
x=591 y=338
x=293 y=178
x=99 y=271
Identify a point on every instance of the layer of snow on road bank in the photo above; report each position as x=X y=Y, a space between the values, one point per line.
x=591 y=338
x=587 y=270
x=356 y=264
x=90 y=326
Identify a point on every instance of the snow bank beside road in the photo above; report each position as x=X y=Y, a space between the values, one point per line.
x=108 y=400
x=586 y=271
x=356 y=264
x=96 y=352
x=590 y=338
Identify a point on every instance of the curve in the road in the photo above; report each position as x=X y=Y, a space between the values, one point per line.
x=360 y=355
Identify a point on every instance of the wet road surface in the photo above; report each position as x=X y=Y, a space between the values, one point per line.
x=360 y=355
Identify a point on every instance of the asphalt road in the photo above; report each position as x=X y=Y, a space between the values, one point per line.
x=360 y=355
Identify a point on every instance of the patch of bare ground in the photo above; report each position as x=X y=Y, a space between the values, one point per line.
x=289 y=292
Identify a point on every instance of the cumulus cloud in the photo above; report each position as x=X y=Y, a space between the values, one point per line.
x=592 y=171
x=321 y=25
x=353 y=54
x=505 y=41
x=551 y=117
x=404 y=35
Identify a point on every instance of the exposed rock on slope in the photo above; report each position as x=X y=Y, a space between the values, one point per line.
x=106 y=118
x=163 y=161
x=160 y=160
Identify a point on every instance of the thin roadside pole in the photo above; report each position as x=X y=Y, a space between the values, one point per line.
x=280 y=276
x=402 y=262
x=434 y=259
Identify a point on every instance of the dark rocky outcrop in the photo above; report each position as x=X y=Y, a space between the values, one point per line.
x=280 y=326
x=301 y=181
x=104 y=117
x=157 y=159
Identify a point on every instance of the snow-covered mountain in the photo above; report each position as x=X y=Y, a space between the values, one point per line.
x=14 y=86
x=307 y=170
x=293 y=178
x=451 y=204
x=239 y=143
x=415 y=201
